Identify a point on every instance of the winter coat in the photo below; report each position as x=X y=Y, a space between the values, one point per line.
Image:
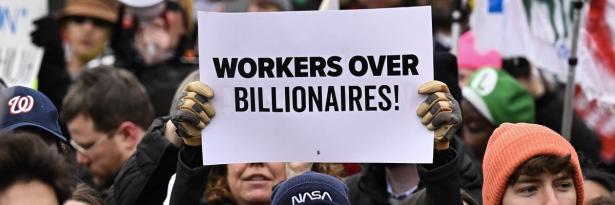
x=450 y=171
x=144 y=177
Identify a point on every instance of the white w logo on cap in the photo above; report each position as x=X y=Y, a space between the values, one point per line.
x=21 y=104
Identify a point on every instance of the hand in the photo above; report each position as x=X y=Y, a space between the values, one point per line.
x=47 y=32
x=47 y=35
x=439 y=112
x=193 y=112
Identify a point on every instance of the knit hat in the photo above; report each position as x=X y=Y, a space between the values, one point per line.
x=102 y=9
x=469 y=58
x=511 y=145
x=24 y=107
x=499 y=97
x=310 y=188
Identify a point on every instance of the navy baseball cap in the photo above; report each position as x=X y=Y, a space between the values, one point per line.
x=310 y=188
x=25 y=107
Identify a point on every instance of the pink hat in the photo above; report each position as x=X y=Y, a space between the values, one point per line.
x=469 y=58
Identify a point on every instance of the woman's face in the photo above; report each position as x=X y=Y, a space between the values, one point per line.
x=87 y=36
x=252 y=183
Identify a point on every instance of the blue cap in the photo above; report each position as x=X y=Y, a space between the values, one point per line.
x=24 y=107
x=310 y=188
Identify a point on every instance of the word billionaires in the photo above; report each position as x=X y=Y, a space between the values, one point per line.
x=317 y=98
x=316 y=66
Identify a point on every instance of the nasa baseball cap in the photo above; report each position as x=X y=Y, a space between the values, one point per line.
x=25 y=107
x=310 y=188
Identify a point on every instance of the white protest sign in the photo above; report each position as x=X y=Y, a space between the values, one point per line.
x=316 y=86
x=19 y=59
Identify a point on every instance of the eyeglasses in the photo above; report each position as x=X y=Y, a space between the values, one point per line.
x=83 y=150
x=95 y=21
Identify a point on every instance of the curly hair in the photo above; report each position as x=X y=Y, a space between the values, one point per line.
x=217 y=190
x=24 y=157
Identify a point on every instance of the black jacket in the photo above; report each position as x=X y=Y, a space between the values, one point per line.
x=450 y=171
x=143 y=179
x=191 y=178
x=53 y=79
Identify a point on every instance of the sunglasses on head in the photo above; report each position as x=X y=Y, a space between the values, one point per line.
x=95 y=21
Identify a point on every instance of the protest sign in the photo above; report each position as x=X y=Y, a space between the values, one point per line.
x=19 y=59
x=317 y=86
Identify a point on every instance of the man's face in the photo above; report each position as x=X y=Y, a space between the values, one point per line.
x=103 y=156
x=476 y=129
x=543 y=189
x=87 y=36
x=252 y=183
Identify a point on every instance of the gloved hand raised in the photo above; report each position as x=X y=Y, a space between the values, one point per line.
x=439 y=112
x=193 y=112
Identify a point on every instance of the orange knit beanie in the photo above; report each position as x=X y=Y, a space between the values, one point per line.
x=511 y=145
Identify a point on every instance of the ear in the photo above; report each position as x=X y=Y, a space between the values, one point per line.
x=129 y=135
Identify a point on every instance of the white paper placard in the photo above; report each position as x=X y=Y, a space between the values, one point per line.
x=20 y=60
x=317 y=86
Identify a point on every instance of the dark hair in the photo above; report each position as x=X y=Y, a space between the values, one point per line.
x=599 y=176
x=109 y=96
x=24 y=157
x=602 y=200
x=86 y=194
x=64 y=149
x=543 y=164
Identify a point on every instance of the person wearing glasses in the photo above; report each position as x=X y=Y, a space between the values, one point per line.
x=107 y=112
x=74 y=38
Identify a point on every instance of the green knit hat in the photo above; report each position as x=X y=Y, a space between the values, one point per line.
x=499 y=97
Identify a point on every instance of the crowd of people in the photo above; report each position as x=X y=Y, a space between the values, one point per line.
x=119 y=109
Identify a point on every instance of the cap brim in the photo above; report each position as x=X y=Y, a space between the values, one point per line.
x=25 y=124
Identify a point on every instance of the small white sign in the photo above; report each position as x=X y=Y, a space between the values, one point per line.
x=19 y=59
x=317 y=86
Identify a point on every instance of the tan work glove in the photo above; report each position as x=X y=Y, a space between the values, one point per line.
x=439 y=112
x=193 y=112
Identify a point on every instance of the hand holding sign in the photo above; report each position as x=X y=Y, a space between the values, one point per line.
x=193 y=112
x=439 y=112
